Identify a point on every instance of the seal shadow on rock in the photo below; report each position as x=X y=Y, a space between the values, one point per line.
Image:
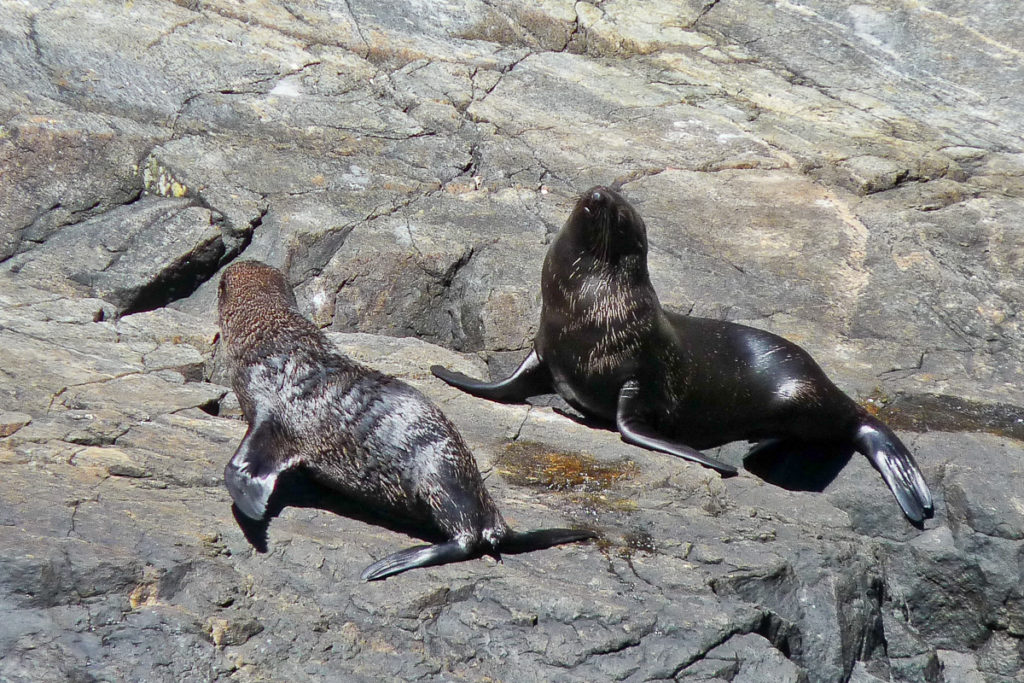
x=296 y=488
x=788 y=465
x=383 y=450
x=798 y=467
x=677 y=383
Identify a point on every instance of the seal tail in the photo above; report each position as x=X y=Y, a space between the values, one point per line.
x=525 y=541
x=892 y=459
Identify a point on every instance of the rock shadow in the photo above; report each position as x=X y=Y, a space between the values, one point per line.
x=296 y=489
x=561 y=407
x=794 y=466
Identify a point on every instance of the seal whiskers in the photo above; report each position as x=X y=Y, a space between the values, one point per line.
x=371 y=438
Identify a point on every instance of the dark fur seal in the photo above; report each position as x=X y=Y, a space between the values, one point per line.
x=370 y=437
x=677 y=383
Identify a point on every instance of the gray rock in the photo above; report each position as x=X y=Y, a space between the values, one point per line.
x=850 y=176
x=10 y=422
x=137 y=257
x=64 y=167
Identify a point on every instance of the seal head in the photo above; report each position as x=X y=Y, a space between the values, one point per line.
x=606 y=226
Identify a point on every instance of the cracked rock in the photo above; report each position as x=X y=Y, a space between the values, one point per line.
x=137 y=257
x=847 y=175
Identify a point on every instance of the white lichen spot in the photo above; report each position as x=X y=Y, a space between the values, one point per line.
x=687 y=124
x=319 y=299
x=357 y=178
x=289 y=86
x=875 y=28
x=684 y=130
x=725 y=138
x=404 y=234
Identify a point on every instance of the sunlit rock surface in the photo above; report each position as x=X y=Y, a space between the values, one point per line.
x=848 y=175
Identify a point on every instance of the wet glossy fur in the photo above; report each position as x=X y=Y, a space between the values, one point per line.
x=671 y=382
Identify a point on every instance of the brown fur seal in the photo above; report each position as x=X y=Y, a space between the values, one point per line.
x=677 y=383
x=370 y=437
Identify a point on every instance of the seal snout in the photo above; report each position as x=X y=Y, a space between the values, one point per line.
x=598 y=195
x=596 y=199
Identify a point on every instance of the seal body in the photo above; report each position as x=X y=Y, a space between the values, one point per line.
x=671 y=382
x=372 y=438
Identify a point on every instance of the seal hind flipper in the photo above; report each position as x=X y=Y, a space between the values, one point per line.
x=892 y=459
x=634 y=431
x=538 y=539
x=529 y=379
x=454 y=551
x=252 y=472
x=419 y=556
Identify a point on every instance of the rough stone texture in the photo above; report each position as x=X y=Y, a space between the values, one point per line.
x=137 y=257
x=848 y=175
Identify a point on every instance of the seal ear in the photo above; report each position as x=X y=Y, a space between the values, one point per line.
x=252 y=472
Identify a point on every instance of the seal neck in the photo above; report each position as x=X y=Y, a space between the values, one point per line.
x=580 y=256
x=252 y=327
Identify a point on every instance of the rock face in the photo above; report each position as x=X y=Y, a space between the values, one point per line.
x=850 y=176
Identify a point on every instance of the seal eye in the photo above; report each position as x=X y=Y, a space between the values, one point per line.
x=597 y=196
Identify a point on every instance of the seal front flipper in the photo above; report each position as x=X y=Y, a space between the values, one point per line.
x=419 y=556
x=634 y=430
x=890 y=457
x=252 y=472
x=529 y=379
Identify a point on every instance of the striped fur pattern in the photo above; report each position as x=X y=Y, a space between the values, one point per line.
x=370 y=437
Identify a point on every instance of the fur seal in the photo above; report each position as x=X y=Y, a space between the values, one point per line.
x=672 y=382
x=372 y=438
